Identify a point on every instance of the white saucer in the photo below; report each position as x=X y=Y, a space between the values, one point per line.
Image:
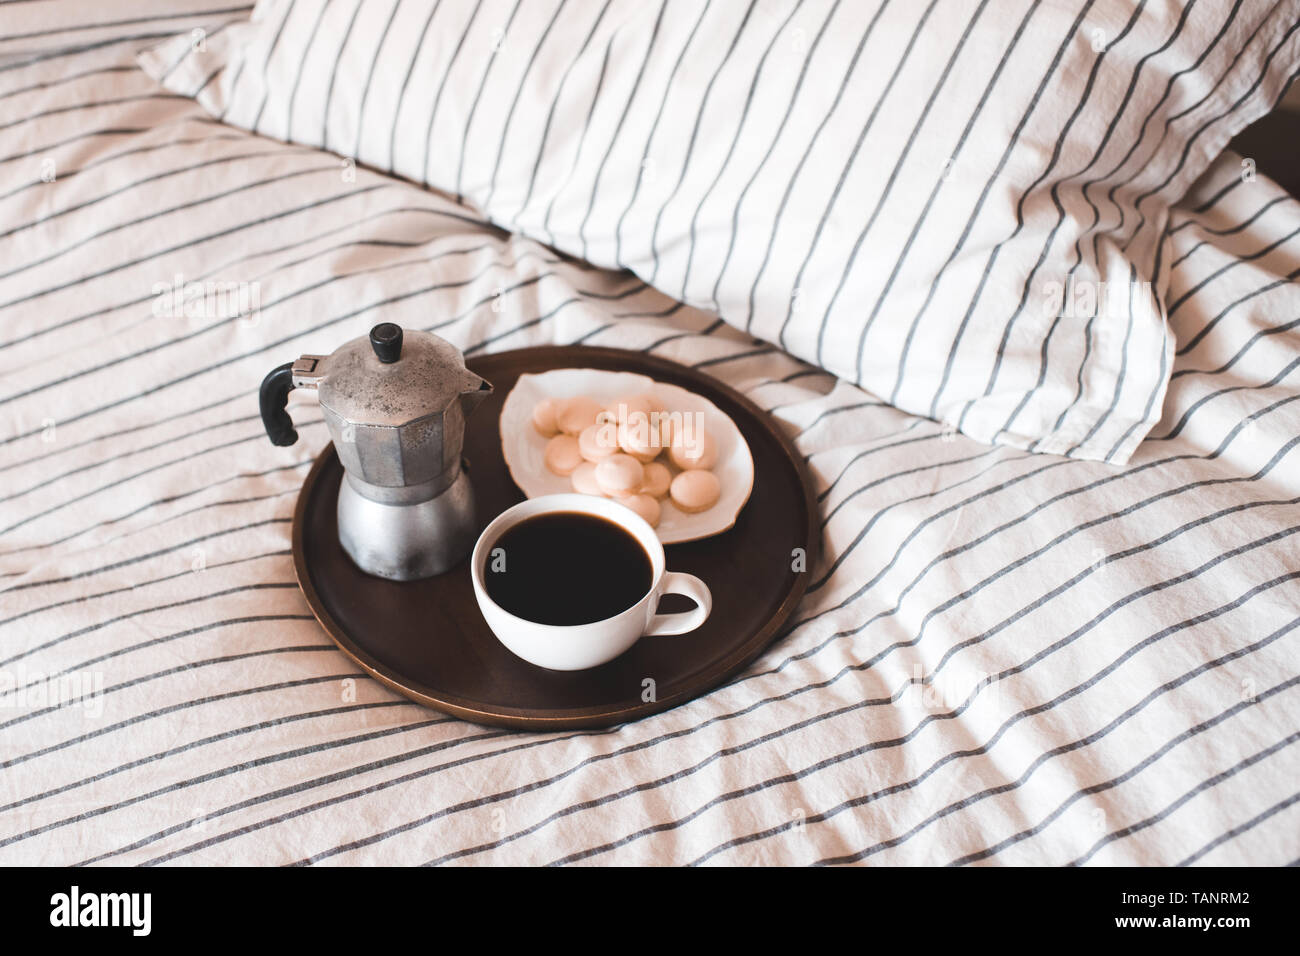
x=524 y=449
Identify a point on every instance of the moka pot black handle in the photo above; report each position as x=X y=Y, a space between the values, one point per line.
x=273 y=399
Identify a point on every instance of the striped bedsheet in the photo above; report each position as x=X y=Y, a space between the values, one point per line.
x=1003 y=658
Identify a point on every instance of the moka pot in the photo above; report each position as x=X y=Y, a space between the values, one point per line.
x=395 y=403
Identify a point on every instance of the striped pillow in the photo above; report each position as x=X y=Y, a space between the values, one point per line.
x=958 y=206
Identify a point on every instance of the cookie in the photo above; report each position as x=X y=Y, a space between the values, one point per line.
x=628 y=408
x=620 y=475
x=692 y=448
x=656 y=480
x=696 y=490
x=544 y=418
x=639 y=440
x=563 y=454
x=647 y=507
x=575 y=414
x=584 y=480
x=598 y=441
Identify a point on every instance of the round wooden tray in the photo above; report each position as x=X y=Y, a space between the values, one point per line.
x=428 y=640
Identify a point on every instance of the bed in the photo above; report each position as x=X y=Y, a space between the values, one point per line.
x=1003 y=657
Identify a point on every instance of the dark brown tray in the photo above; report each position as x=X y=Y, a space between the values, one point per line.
x=428 y=640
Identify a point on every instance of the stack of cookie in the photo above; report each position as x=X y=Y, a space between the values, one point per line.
x=613 y=450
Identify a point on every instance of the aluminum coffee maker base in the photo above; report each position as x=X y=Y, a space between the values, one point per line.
x=406 y=542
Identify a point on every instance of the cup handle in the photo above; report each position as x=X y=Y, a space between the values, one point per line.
x=675 y=582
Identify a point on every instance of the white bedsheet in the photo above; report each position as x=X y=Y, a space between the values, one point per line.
x=1003 y=657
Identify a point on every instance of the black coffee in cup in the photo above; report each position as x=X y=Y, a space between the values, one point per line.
x=566 y=568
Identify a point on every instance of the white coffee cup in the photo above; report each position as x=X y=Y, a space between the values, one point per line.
x=579 y=646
